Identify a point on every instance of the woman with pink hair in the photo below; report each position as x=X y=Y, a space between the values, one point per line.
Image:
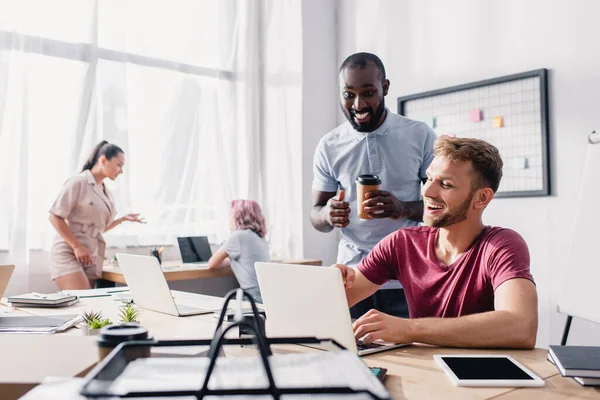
x=245 y=246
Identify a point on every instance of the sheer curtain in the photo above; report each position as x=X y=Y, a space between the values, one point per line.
x=204 y=97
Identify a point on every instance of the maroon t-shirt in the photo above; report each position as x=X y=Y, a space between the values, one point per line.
x=434 y=289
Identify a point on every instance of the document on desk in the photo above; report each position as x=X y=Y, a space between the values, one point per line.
x=103 y=292
x=61 y=388
x=308 y=370
x=38 y=324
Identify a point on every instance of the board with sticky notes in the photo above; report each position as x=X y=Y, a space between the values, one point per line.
x=511 y=112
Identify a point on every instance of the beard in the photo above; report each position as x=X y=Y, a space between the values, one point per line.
x=454 y=216
x=375 y=117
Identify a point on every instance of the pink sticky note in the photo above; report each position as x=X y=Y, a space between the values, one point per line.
x=498 y=123
x=475 y=115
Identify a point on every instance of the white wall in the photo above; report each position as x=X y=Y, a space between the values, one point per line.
x=319 y=116
x=431 y=44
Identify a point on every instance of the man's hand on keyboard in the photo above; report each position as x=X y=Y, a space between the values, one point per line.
x=375 y=325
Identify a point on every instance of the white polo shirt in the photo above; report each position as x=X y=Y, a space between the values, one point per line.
x=399 y=152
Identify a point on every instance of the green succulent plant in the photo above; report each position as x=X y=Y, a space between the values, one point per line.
x=88 y=316
x=94 y=319
x=128 y=313
x=98 y=323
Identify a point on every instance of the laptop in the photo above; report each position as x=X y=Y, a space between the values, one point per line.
x=195 y=250
x=5 y=274
x=149 y=287
x=303 y=300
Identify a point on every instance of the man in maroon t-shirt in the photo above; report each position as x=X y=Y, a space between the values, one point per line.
x=466 y=284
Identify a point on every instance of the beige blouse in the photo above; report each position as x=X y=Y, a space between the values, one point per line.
x=88 y=208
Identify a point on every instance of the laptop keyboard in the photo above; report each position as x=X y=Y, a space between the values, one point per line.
x=364 y=346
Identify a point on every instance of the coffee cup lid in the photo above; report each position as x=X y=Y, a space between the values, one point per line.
x=111 y=336
x=368 y=179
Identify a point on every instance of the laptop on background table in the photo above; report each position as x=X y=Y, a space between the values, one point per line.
x=303 y=300
x=195 y=250
x=149 y=287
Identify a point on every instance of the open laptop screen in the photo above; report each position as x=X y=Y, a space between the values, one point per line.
x=194 y=249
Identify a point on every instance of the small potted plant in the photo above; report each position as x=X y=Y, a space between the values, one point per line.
x=128 y=313
x=93 y=322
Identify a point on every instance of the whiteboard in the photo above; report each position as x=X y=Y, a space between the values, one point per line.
x=580 y=296
x=510 y=112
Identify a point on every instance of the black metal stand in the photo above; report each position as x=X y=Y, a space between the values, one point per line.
x=566 y=331
x=98 y=381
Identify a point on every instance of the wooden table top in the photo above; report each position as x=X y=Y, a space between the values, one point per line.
x=176 y=271
x=412 y=371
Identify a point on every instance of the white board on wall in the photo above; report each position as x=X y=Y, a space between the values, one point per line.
x=510 y=112
x=580 y=296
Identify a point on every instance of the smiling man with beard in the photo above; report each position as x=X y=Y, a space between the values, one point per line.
x=467 y=284
x=372 y=141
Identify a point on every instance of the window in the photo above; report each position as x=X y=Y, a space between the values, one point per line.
x=160 y=79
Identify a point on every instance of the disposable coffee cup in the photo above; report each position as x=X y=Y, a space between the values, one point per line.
x=113 y=335
x=365 y=184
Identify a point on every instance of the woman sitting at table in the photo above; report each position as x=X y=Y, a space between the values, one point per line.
x=245 y=246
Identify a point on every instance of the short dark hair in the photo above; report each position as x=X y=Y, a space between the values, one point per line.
x=484 y=157
x=361 y=60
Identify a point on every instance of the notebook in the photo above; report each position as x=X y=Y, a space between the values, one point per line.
x=576 y=361
x=587 y=381
x=42 y=300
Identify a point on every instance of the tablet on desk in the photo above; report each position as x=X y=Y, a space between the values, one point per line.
x=486 y=370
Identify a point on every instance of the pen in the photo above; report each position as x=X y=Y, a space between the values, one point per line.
x=41 y=296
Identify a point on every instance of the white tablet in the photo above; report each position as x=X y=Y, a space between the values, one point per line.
x=486 y=370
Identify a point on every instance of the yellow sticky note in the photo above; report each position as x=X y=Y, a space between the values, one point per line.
x=498 y=123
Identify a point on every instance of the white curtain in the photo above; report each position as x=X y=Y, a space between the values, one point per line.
x=204 y=97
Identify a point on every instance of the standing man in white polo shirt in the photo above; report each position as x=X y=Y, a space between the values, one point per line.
x=372 y=141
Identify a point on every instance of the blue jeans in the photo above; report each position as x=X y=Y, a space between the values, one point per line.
x=389 y=301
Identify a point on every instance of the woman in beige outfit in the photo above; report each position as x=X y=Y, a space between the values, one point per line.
x=82 y=212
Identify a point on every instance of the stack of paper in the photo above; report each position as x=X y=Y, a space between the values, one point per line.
x=56 y=388
x=38 y=324
x=308 y=370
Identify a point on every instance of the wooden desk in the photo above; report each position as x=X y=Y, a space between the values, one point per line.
x=412 y=372
x=174 y=271
x=557 y=387
x=28 y=359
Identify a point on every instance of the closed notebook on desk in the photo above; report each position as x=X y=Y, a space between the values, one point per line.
x=587 y=381
x=577 y=361
x=34 y=299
